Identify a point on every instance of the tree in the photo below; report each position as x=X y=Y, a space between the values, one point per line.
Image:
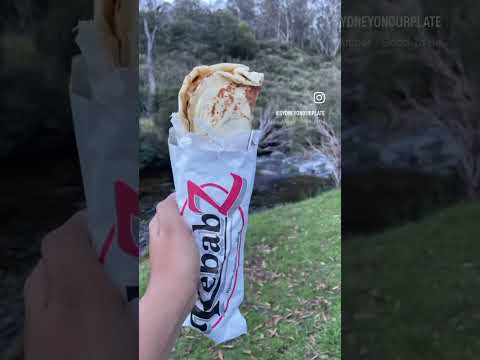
x=152 y=12
x=243 y=9
x=326 y=27
x=269 y=19
x=286 y=14
x=227 y=36
x=304 y=23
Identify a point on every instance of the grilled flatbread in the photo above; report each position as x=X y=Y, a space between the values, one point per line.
x=117 y=24
x=220 y=97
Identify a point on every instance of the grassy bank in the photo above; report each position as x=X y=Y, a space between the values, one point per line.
x=412 y=292
x=292 y=285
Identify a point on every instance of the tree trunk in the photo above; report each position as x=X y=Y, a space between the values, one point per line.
x=287 y=28
x=279 y=21
x=150 y=64
x=152 y=83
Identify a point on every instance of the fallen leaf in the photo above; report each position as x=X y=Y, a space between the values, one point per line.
x=273 y=332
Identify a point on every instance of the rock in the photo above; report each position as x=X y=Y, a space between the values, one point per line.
x=316 y=165
x=430 y=151
x=278 y=155
x=273 y=167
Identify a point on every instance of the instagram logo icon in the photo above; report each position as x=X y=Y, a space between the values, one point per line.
x=319 y=97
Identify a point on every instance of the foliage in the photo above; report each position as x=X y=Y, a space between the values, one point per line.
x=227 y=36
x=292 y=279
x=153 y=144
x=198 y=30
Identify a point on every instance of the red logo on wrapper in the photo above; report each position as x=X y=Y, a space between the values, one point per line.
x=127 y=211
x=218 y=214
x=195 y=193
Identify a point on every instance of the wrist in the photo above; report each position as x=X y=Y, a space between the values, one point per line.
x=170 y=294
x=163 y=308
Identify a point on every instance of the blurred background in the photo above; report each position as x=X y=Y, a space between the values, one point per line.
x=292 y=262
x=410 y=134
x=411 y=181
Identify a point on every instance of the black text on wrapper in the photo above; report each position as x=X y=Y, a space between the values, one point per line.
x=217 y=227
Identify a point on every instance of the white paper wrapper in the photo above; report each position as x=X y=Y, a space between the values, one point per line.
x=103 y=101
x=214 y=181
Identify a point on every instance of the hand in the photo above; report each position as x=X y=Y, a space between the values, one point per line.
x=174 y=277
x=174 y=257
x=72 y=310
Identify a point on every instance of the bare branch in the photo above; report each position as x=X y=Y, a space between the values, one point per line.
x=329 y=146
x=275 y=136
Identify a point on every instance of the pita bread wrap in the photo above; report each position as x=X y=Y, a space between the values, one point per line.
x=220 y=97
x=117 y=22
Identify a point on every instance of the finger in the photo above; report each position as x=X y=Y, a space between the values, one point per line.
x=153 y=229
x=71 y=262
x=167 y=225
x=163 y=221
x=168 y=213
x=69 y=242
x=169 y=202
x=36 y=291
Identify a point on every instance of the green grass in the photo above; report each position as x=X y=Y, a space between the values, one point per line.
x=412 y=292
x=292 y=287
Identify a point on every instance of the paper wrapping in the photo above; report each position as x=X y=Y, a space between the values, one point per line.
x=213 y=179
x=104 y=109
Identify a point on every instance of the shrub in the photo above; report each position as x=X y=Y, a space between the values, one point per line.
x=244 y=45
x=228 y=36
